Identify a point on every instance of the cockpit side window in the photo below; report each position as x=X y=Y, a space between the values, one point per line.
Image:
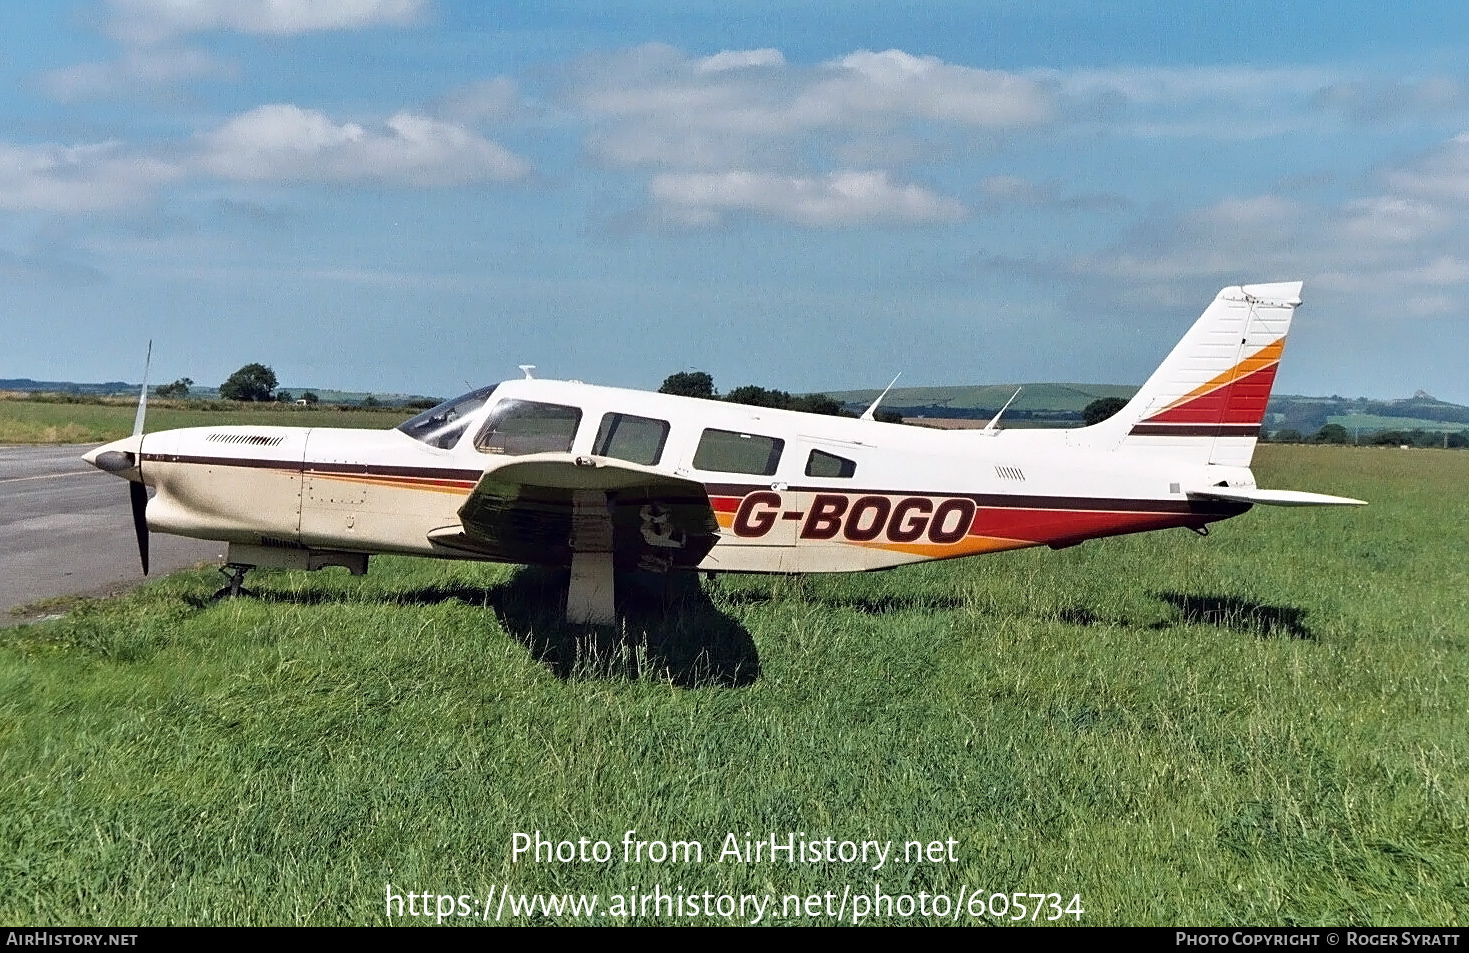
x=518 y=427
x=442 y=426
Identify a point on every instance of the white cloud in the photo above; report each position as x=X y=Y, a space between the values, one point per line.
x=740 y=59
x=894 y=83
x=1441 y=174
x=285 y=143
x=841 y=198
x=1394 y=100
x=1260 y=214
x=1390 y=219
x=1232 y=103
x=1402 y=253
x=1001 y=191
x=1153 y=85
x=484 y=101
x=138 y=68
x=75 y=179
x=1444 y=271
x=149 y=21
x=655 y=105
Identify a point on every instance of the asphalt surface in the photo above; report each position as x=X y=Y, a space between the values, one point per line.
x=66 y=529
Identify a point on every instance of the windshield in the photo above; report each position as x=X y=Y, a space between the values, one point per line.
x=443 y=425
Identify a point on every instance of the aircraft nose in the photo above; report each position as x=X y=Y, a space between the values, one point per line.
x=121 y=457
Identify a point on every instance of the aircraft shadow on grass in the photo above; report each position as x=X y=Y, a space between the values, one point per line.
x=1241 y=615
x=1229 y=612
x=667 y=626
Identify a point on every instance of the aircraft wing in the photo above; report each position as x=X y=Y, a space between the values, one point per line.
x=541 y=508
x=1273 y=497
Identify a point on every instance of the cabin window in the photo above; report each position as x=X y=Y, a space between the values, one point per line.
x=517 y=427
x=442 y=426
x=822 y=464
x=725 y=451
x=634 y=439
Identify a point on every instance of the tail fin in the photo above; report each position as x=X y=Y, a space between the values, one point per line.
x=1207 y=399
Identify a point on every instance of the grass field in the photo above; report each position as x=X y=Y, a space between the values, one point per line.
x=1368 y=424
x=1266 y=726
x=24 y=421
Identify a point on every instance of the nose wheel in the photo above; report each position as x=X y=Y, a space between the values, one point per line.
x=235 y=572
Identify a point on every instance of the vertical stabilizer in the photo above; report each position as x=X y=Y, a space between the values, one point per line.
x=1207 y=399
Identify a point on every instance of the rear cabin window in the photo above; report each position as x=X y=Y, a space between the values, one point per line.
x=634 y=439
x=726 y=451
x=821 y=464
x=517 y=427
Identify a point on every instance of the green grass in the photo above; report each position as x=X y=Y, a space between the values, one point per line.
x=1263 y=727
x=1369 y=424
x=23 y=421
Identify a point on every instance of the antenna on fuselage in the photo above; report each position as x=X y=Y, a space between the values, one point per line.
x=526 y=370
x=990 y=427
x=870 y=411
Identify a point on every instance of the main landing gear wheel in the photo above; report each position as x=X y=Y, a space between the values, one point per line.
x=236 y=587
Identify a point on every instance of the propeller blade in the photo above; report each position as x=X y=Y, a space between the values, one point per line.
x=143 y=399
x=139 y=495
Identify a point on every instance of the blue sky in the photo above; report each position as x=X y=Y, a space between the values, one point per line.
x=418 y=195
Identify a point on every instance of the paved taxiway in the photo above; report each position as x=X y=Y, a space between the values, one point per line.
x=67 y=529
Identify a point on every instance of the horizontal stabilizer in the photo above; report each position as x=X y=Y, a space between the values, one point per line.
x=1273 y=497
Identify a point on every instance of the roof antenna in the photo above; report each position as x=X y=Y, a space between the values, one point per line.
x=868 y=414
x=990 y=427
x=526 y=370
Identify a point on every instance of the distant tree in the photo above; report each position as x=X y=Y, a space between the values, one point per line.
x=816 y=404
x=310 y=398
x=1100 y=409
x=1287 y=435
x=285 y=397
x=179 y=389
x=1331 y=433
x=251 y=382
x=888 y=416
x=371 y=401
x=689 y=384
x=758 y=397
x=700 y=384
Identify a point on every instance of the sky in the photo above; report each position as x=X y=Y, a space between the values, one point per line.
x=416 y=196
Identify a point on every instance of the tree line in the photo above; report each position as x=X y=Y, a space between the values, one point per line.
x=253 y=383
x=700 y=384
x=1337 y=434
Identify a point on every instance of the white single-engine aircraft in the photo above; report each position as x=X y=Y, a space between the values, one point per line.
x=562 y=473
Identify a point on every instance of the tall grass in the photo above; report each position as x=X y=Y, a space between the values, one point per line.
x=1261 y=727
